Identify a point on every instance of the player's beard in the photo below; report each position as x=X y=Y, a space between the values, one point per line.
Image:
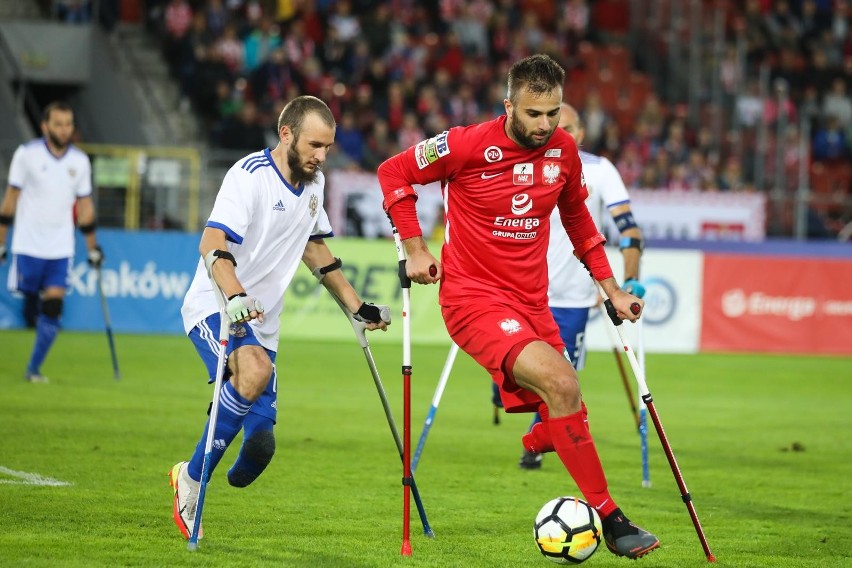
x=56 y=142
x=525 y=138
x=297 y=167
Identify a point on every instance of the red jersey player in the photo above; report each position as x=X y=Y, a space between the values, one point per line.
x=501 y=180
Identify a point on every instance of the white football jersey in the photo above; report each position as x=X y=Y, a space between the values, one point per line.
x=50 y=185
x=268 y=223
x=570 y=285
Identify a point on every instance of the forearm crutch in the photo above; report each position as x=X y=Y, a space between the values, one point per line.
x=405 y=284
x=359 y=328
x=224 y=330
x=436 y=400
x=107 y=325
x=655 y=418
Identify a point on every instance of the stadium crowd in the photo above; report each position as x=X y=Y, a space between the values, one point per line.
x=395 y=72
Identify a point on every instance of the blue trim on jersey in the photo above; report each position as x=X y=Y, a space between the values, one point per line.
x=255 y=162
x=295 y=191
x=617 y=203
x=586 y=158
x=318 y=237
x=68 y=149
x=229 y=234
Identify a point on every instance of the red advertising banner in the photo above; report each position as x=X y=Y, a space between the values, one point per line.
x=776 y=304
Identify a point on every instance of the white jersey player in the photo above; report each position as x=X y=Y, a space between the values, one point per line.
x=571 y=291
x=267 y=217
x=48 y=178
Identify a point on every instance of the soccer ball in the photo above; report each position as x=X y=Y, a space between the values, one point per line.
x=567 y=530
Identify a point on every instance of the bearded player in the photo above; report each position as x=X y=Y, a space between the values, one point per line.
x=501 y=181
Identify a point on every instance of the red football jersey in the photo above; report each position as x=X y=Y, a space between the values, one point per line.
x=498 y=197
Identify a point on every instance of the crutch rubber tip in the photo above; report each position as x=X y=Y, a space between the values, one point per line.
x=192 y=546
x=711 y=558
x=635 y=308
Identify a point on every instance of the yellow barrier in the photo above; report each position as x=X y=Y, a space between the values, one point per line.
x=126 y=167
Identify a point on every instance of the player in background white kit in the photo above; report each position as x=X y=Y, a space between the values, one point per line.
x=268 y=216
x=572 y=292
x=48 y=177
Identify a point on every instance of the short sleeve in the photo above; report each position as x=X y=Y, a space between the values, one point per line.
x=232 y=209
x=18 y=169
x=612 y=186
x=84 y=185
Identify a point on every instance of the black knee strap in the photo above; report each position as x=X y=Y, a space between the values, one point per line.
x=52 y=307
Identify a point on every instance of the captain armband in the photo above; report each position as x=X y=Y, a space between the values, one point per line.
x=631 y=242
x=88 y=228
x=624 y=221
x=211 y=257
x=397 y=195
x=320 y=272
x=6 y=220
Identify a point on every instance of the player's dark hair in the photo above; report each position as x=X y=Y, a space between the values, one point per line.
x=55 y=105
x=539 y=74
x=296 y=110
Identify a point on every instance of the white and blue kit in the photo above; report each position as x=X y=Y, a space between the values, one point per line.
x=43 y=239
x=571 y=291
x=268 y=223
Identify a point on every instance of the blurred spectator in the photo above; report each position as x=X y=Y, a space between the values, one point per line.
x=230 y=50
x=242 y=131
x=177 y=19
x=259 y=44
x=410 y=132
x=217 y=16
x=74 y=11
x=595 y=118
x=750 y=105
x=378 y=145
x=469 y=30
x=730 y=178
x=830 y=141
x=349 y=138
x=837 y=104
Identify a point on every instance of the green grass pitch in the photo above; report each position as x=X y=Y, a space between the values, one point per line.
x=763 y=443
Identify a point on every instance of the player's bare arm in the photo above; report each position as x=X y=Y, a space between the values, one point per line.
x=420 y=265
x=317 y=256
x=7 y=214
x=630 y=254
x=222 y=267
x=86 y=217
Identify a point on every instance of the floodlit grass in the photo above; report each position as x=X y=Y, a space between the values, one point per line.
x=332 y=495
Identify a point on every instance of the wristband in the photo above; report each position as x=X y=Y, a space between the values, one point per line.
x=6 y=220
x=239 y=295
x=631 y=242
x=87 y=229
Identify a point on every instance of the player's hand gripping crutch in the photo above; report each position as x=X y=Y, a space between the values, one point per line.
x=224 y=330
x=359 y=326
x=655 y=418
x=436 y=400
x=107 y=324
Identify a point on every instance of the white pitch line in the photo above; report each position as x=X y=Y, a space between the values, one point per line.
x=30 y=478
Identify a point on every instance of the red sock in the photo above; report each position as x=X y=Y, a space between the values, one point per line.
x=575 y=447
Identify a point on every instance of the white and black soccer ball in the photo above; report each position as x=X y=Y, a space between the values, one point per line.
x=567 y=530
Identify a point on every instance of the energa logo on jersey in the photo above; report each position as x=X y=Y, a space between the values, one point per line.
x=521 y=203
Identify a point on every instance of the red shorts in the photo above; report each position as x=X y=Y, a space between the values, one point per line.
x=488 y=332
